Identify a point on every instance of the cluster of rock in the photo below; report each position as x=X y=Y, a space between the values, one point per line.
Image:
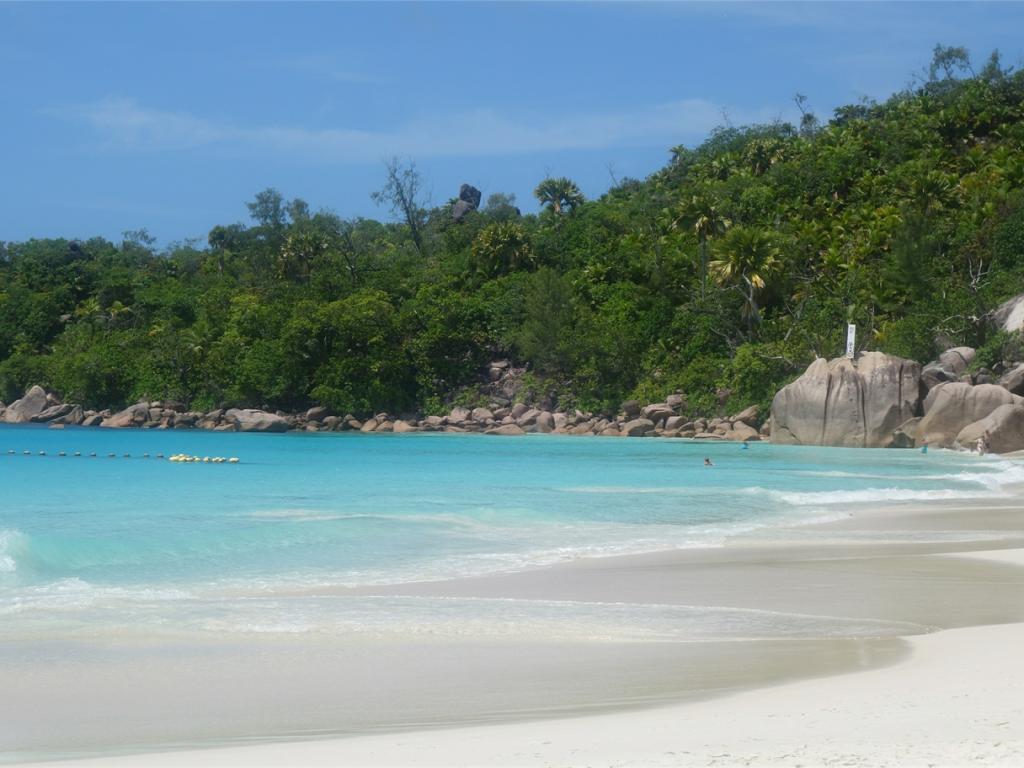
x=665 y=419
x=41 y=407
x=883 y=401
x=655 y=420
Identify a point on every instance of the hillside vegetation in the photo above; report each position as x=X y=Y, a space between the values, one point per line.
x=720 y=276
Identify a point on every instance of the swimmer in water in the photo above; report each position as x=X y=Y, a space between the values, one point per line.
x=707 y=462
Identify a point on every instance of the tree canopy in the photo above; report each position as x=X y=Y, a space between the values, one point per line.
x=721 y=275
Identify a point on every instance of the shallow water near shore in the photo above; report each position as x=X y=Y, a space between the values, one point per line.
x=146 y=604
x=98 y=545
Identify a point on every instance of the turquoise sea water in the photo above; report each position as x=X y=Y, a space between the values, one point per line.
x=95 y=545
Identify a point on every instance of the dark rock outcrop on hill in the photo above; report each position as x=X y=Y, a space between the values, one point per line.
x=469 y=200
x=842 y=402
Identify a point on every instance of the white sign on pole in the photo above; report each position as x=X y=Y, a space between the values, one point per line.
x=851 y=337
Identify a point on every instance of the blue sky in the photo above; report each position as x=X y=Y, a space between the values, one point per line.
x=119 y=116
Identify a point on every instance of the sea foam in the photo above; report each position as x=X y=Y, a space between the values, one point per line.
x=11 y=541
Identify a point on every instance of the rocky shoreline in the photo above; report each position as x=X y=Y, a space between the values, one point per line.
x=665 y=419
x=872 y=401
x=883 y=401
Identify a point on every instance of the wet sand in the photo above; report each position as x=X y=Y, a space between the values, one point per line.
x=935 y=682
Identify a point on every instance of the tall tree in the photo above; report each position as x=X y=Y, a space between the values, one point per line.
x=746 y=257
x=708 y=223
x=268 y=209
x=947 y=60
x=402 y=190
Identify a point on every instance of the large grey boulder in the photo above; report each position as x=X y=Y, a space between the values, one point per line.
x=1004 y=427
x=528 y=418
x=1013 y=380
x=32 y=404
x=72 y=417
x=935 y=373
x=675 y=422
x=638 y=427
x=958 y=359
x=742 y=432
x=1009 y=316
x=432 y=423
x=509 y=430
x=748 y=415
x=253 y=420
x=951 y=366
x=53 y=413
x=132 y=416
x=458 y=415
x=952 y=406
x=856 y=404
x=318 y=413
x=210 y=420
x=545 y=422
x=657 y=412
x=482 y=414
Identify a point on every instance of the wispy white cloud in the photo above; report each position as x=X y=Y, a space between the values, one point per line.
x=125 y=124
x=128 y=125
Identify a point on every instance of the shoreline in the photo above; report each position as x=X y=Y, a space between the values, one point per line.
x=964 y=588
x=920 y=711
x=501 y=417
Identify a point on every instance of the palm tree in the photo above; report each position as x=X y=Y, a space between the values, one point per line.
x=561 y=195
x=746 y=258
x=708 y=223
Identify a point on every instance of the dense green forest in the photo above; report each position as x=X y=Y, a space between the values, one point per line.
x=721 y=275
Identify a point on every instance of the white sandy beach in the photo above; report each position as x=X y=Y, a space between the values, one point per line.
x=957 y=697
x=956 y=701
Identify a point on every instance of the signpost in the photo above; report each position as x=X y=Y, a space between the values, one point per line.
x=851 y=337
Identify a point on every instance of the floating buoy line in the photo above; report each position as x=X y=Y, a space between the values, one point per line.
x=182 y=458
